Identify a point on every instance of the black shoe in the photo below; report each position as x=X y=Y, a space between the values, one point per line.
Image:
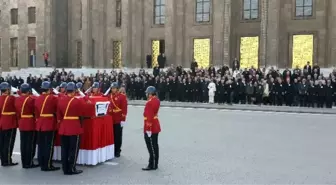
x=51 y=169
x=117 y=155
x=31 y=166
x=9 y=164
x=76 y=172
x=148 y=168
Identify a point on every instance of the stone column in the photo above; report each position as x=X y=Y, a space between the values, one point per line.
x=137 y=33
x=170 y=39
x=218 y=34
x=43 y=32
x=227 y=32
x=87 y=33
x=270 y=30
x=99 y=32
x=5 y=17
x=22 y=36
x=179 y=31
x=71 y=27
x=126 y=26
x=263 y=33
x=331 y=34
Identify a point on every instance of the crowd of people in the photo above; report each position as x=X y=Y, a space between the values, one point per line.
x=306 y=87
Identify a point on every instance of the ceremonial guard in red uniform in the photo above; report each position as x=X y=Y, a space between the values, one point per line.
x=25 y=113
x=152 y=128
x=46 y=126
x=8 y=125
x=69 y=111
x=95 y=90
x=79 y=87
x=62 y=89
x=118 y=110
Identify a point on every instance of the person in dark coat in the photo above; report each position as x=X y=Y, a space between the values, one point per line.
x=149 y=61
x=329 y=94
x=289 y=92
x=235 y=64
x=161 y=60
x=303 y=91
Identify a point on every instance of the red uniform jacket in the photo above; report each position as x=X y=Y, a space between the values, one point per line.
x=68 y=112
x=8 y=118
x=45 y=112
x=118 y=107
x=151 y=120
x=95 y=94
x=25 y=113
x=124 y=107
x=61 y=94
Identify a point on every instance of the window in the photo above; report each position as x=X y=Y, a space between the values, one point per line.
x=159 y=12
x=31 y=51
x=304 y=8
x=80 y=15
x=14 y=16
x=14 y=51
x=116 y=54
x=251 y=9
x=203 y=11
x=118 y=13
x=79 y=54
x=31 y=15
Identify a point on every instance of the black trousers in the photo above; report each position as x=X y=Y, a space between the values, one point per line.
x=70 y=148
x=117 y=131
x=153 y=149
x=28 y=147
x=7 y=140
x=46 y=142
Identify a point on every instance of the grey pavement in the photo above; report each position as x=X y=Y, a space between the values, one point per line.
x=203 y=146
x=246 y=107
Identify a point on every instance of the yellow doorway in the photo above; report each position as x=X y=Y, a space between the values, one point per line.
x=303 y=46
x=249 y=52
x=202 y=52
x=116 y=63
x=155 y=52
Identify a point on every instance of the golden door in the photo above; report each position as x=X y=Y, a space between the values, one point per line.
x=202 y=52
x=303 y=46
x=249 y=52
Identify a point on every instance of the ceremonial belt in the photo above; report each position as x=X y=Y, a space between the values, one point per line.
x=3 y=109
x=117 y=109
x=45 y=115
x=66 y=112
x=155 y=117
x=23 y=106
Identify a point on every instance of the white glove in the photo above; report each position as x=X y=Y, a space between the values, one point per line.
x=122 y=123
x=149 y=133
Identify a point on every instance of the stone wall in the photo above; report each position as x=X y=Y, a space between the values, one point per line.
x=57 y=31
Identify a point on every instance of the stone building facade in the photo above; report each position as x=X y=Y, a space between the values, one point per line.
x=106 y=33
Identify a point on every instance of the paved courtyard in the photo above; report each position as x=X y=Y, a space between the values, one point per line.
x=200 y=146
